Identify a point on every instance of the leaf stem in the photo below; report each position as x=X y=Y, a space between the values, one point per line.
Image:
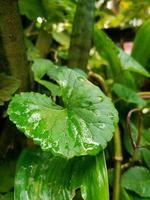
x=144 y=95
x=135 y=145
x=97 y=77
x=117 y=166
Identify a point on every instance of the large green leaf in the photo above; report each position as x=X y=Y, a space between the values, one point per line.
x=141 y=45
x=8 y=85
x=137 y=179
x=82 y=124
x=43 y=176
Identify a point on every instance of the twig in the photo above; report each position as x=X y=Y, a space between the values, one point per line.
x=134 y=144
x=144 y=95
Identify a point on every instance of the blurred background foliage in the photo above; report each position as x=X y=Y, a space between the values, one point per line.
x=47 y=29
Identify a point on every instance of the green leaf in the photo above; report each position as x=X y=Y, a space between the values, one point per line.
x=127 y=94
x=82 y=125
x=8 y=87
x=108 y=50
x=7 y=172
x=32 y=51
x=137 y=179
x=31 y=8
x=145 y=154
x=40 y=68
x=43 y=176
x=117 y=58
x=62 y=38
x=59 y=10
x=141 y=45
x=130 y=64
x=128 y=195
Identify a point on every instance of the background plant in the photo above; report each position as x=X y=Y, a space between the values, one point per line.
x=47 y=29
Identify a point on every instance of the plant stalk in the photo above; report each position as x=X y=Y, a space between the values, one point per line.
x=117 y=167
x=81 y=39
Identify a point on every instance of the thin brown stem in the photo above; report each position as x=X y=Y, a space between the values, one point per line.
x=144 y=95
x=129 y=126
x=97 y=77
x=139 y=129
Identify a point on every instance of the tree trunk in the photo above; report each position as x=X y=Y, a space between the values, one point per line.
x=13 y=42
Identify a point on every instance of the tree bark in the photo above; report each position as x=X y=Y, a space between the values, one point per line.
x=13 y=41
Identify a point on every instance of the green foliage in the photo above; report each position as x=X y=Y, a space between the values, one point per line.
x=141 y=45
x=85 y=120
x=8 y=87
x=137 y=179
x=34 y=11
x=52 y=10
x=67 y=114
x=118 y=60
x=41 y=67
x=41 y=175
x=128 y=95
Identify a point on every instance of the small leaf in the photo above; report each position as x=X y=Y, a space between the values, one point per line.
x=40 y=68
x=42 y=176
x=61 y=37
x=137 y=179
x=127 y=94
x=82 y=125
x=8 y=86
